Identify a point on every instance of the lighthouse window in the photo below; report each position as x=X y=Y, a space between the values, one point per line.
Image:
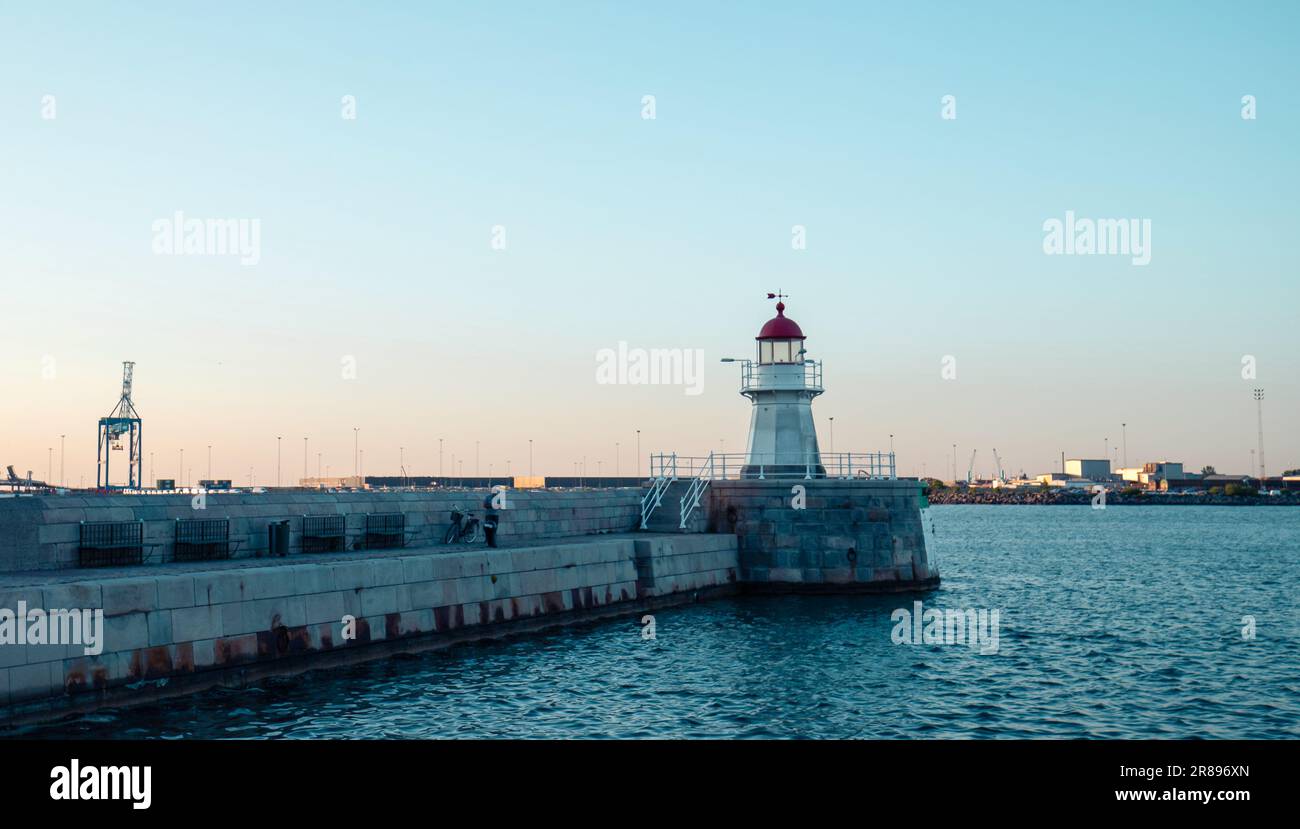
x=778 y=351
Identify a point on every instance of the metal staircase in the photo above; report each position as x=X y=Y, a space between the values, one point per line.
x=667 y=475
x=682 y=489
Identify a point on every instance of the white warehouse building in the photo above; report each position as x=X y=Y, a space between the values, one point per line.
x=1093 y=470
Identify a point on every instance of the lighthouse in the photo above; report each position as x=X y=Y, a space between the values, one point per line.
x=804 y=521
x=781 y=383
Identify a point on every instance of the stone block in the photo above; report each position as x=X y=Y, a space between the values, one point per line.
x=350 y=575
x=376 y=601
x=160 y=627
x=41 y=679
x=323 y=607
x=126 y=633
x=205 y=653
x=80 y=595
x=417 y=569
x=785 y=574
x=218 y=588
x=268 y=614
x=312 y=578
x=388 y=571
x=175 y=591
x=190 y=624
x=132 y=595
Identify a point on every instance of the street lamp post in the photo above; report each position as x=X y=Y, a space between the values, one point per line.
x=1259 y=411
x=277 y=459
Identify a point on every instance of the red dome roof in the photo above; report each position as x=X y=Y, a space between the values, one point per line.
x=780 y=327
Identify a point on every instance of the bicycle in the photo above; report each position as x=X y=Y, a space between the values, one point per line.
x=465 y=528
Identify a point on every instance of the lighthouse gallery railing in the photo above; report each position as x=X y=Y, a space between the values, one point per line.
x=753 y=379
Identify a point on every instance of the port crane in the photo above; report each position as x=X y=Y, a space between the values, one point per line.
x=124 y=420
x=997 y=459
x=970 y=468
x=16 y=483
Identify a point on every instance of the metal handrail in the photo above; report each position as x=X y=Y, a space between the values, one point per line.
x=763 y=466
x=664 y=479
x=699 y=483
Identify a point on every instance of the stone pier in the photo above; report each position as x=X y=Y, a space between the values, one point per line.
x=825 y=535
x=177 y=628
x=566 y=555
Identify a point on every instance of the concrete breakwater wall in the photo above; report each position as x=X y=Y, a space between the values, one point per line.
x=825 y=535
x=42 y=532
x=181 y=627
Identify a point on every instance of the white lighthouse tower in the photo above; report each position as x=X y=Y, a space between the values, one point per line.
x=781 y=384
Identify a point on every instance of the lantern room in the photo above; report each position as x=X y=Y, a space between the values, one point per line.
x=781 y=340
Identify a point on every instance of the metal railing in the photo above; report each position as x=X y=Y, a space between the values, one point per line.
x=667 y=473
x=324 y=533
x=780 y=376
x=385 y=530
x=695 y=491
x=111 y=544
x=743 y=466
x=201 y=539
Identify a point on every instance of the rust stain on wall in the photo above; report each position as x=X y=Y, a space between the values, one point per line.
x=553 y=602
x=184 y=661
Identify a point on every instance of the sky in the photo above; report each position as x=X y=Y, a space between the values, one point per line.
x=448 y=263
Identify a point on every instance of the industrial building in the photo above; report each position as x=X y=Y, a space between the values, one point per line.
x=1093 y=470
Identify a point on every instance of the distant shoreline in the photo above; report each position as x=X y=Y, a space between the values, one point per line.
x=1079 y=497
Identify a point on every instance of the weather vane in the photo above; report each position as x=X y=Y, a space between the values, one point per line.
x=778 y=295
